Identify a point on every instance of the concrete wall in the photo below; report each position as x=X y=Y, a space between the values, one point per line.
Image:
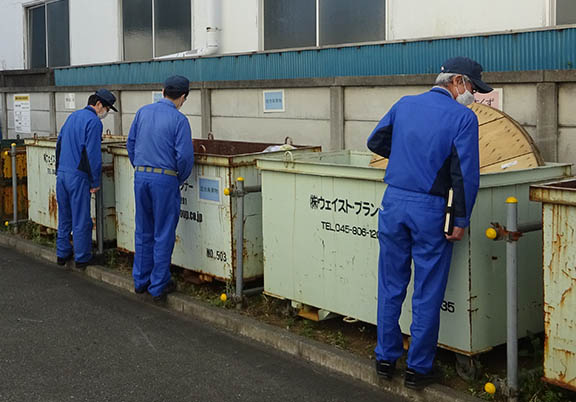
x=41 y=117
x=408 y=19
x=238 y=114
x=134 y=100
x=329 y=113
x=567 y=122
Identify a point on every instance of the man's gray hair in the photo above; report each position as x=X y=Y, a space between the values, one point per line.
x=444 y=79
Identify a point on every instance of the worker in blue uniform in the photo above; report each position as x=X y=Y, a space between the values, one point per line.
x=78 y=170
x=431 y=141
x=161 y=151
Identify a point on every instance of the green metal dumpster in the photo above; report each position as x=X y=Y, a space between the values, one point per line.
x=320 y=228
x=559 y=270
x=204 y=236
x=41 y=165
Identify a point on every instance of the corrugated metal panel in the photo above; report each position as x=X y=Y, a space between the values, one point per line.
x=539 y=50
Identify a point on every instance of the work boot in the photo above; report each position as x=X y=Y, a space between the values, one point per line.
x=385 y=369
x=417 y=381
x=63 y=260
x=169 y=288
x=141 y=290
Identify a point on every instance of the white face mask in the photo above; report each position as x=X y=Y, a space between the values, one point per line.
x=466 y=98
x=102 y=115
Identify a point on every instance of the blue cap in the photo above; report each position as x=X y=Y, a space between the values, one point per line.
x=106 y=98
x=469 y=68
x=177 y=82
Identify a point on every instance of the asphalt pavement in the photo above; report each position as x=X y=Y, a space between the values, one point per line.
x=64 y=337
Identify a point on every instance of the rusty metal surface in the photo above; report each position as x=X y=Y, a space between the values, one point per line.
x=559 y=272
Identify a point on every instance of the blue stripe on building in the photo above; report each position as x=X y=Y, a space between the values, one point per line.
x=524 y=51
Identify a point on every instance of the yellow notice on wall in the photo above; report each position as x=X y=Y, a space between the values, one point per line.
x=22 y=113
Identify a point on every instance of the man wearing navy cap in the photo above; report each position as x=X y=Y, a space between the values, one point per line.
x=78 y=169
x=161 y=151
x=431 y=141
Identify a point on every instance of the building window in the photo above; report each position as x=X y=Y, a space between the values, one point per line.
x=565 y=12
x=302 y=23
x=48 y=35
x=154 y=28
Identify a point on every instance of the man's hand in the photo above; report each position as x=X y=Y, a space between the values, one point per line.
x=457 y=234
x=93 y=190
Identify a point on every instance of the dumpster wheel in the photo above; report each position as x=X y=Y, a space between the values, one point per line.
x=467 y=367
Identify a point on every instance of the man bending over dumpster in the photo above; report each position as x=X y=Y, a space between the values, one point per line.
x=431 y=141
x=161 y=151
x=78 y=170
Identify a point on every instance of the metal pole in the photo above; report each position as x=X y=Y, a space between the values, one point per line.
x=14 y=187
x=512 y=301
x=239 y=240
x=100 y=221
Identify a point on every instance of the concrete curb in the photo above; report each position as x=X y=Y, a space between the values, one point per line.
x=307 y=349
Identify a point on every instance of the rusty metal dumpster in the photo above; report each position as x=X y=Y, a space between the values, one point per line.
x=559 y=270
x=204 y=236
x=6 y=204
x=41 y=165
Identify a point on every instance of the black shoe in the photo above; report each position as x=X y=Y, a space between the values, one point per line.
x=385 y=369
x=169 y=288
x=414 y=380
x=82 y=265
x=141 y=290
x=63 y=260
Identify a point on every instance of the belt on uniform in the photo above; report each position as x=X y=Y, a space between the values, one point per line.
x=148 y=169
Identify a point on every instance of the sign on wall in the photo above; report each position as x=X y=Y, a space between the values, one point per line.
x=209 y=189
x=273 y=101
x=156 y=96
x=70 y=101
x=22 y=113
x=493 y=99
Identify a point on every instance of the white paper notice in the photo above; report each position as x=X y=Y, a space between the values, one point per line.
x=22 y=113
x=70 y=101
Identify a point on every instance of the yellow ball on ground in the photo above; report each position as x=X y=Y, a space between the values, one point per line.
x=490 y=388
x=223 y=297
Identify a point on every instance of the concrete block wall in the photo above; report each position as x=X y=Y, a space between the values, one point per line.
x=334 y=113
x=41 y=118
x=567 y=122
x=237 y=114
x=133 y=100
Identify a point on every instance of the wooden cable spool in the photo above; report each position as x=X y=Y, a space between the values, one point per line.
x=503 y=143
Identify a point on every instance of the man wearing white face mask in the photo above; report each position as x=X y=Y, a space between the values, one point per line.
x=78 y=169
x=431 y=141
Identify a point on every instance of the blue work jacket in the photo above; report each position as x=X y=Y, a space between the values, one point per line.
x=432 y=145
x=160 y=137
x=78 y=148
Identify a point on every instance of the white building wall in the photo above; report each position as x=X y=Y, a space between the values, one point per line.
x=95 y=31
x=11 y=35
x=409 y=19
x=239 y=21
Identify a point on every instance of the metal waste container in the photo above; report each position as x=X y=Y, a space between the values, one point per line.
x=204 y=236
x=43 y=206
x=6 y=204
x=559 y=270
x=320 y=220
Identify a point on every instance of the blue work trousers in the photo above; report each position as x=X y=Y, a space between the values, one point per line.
x=157 y=212
x=410 y=227
x=73 y=197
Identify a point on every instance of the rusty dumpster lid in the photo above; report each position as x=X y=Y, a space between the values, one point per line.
x=557 y=192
